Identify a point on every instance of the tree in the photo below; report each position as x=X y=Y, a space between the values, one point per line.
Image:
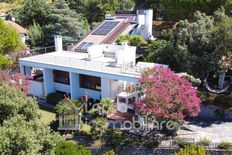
x=36 y=35
x=99 y=126
x=22 y=136
x=106 y=104
x=70 y=148
x=184 y=9
x=9 y=39
x=168 y=97
x=156 y=51
x=99 y=8
x=34 y=11
x=17 y=81
x=66 y=22
x=5 y=62
x=196 y=47
x=14 y=102
x=192 y=150
x=9 y=42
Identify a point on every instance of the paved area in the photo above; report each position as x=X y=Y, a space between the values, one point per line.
x=207 y=125
x=216 y=131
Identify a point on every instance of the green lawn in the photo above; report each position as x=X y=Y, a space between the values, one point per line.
x=47 y=116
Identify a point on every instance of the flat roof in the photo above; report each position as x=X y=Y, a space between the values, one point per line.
x=78 y=60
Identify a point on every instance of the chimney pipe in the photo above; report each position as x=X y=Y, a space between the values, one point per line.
x=58 y=43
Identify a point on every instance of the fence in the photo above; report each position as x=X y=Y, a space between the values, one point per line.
x=44 y=50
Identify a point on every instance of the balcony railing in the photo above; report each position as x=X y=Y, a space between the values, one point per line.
x=111 y=67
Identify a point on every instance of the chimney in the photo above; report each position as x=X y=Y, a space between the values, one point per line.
x=58 y=43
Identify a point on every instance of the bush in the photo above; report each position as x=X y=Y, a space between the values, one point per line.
x=223 y=100
x=192 y=150
x=225 y=146
x=181 y=142
x=110 y=152
x=220 y=100
x=204 y=142
x=70 y=148
x=54 y=98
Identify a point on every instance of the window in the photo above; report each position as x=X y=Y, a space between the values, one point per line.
x=61 y=77
x=122 y=100
x=85 y=45
x=90 y=82
x=131 y=100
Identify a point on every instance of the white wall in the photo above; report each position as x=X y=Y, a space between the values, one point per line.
x=37 y=88
x=23 y=37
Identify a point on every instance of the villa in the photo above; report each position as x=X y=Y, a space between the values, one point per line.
x=95 y=65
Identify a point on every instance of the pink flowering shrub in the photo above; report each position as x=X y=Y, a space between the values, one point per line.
x=168 y=96
x=19 y=81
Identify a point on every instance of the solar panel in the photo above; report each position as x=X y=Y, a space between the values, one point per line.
x=105 y=28
x=85 y=45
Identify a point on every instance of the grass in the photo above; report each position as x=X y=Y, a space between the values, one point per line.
x=86 y=128
x=46 y=116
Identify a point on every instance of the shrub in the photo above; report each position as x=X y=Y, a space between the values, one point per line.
x=192 y=150
x=204 y=142
x=110 y=152
x=54 y=98
x=223 y=100
x=181 y=142
x=225 y=146
x=206 y=97
x=70 y=148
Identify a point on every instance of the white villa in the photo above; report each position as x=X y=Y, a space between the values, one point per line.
x=94 y=65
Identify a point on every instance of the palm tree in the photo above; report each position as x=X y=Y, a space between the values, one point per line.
x=60 y=108
x=107 y=104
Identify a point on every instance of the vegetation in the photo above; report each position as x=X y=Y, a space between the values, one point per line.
x=46 y=117
x=131 y=40
x=14 y=102
x=36 y=35
x=192 y=150
x=183 y=9
x=9 y=43
x=225 y=146
x=99 y=126
x=223 y=101
x=167 y=95
x=66 y=22
x=195 y=47
x=21 y=129
x=110 y=152
x=99 y=8
x=23 y=136
x=54 y=98
x=35 y=11
x=19 y=81
x=204 y=142
x=70 y=148
x=181 y=142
